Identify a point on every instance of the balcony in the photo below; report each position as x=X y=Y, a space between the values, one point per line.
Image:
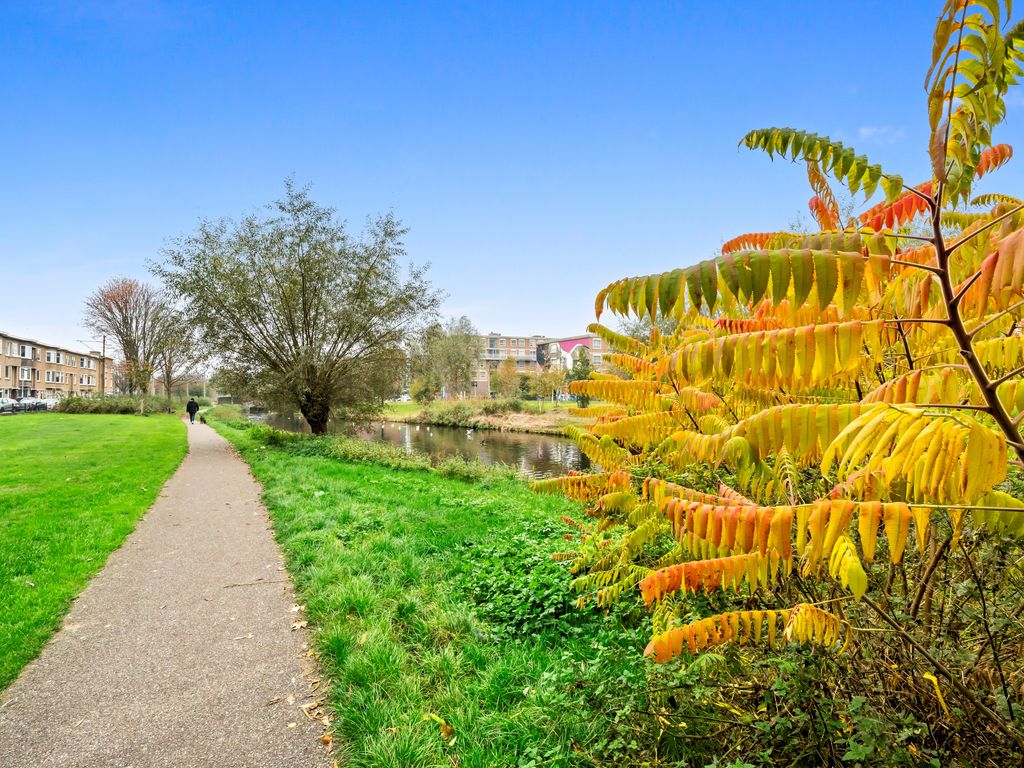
x=512 y=354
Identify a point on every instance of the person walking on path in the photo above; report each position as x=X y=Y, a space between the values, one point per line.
x=193 y=409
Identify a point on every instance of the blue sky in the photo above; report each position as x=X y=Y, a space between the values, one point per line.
x=536 y=150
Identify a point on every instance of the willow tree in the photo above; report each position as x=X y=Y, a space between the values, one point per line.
x=298 y=313
x=860 y=390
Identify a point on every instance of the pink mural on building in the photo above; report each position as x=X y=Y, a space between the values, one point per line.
x=568 y=345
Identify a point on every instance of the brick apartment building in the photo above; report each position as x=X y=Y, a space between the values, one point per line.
x=496 y=347
x=30 y=368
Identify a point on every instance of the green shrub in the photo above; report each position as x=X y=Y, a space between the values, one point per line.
x=516 y=586
x=239 y=424
x=367 y=451
x=458 y=468
x=498 y=407
x=423 y=390
x=225 y=413
x=115 y=404
x=449 y=415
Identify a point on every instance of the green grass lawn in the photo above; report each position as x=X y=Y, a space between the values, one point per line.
x=71 y=488
x=401 y=409
x=433 y=597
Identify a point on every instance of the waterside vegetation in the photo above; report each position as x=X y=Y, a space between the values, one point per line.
x=509 y=414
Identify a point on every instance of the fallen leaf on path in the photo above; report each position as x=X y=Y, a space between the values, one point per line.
x=299 y=624
x=296 y=608
x=326 y=739
x=275 y=700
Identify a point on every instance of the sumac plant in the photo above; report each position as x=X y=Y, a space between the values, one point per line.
x=860 y=390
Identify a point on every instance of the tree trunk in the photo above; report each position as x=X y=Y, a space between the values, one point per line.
x=316 y=410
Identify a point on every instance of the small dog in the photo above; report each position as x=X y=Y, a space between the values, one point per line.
x=202 y=419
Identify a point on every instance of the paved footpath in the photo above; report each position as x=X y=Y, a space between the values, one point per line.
x=181 y=651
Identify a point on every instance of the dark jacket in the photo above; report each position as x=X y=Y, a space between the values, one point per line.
x=192 y=407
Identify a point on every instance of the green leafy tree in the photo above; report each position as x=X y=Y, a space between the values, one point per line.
x=424 y=389
x=549 y=382
x=580 y=371
x=448 y=355
x=300 y=314
x=506 y=379
x=527 y=385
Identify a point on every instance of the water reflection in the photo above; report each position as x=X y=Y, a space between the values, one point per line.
x=531 y=455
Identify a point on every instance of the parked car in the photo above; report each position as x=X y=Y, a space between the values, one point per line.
x=50 y=402
x=31 y=404
x=7 y=405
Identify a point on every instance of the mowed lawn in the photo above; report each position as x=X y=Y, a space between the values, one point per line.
x=71 y=488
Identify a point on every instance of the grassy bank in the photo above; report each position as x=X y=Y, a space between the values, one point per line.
x=446 y=629
x=510 y=415
x=73 y=488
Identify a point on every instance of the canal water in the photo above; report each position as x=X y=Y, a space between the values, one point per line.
x=531 y=455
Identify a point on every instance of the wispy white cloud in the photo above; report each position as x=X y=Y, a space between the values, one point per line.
x=879 y=134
